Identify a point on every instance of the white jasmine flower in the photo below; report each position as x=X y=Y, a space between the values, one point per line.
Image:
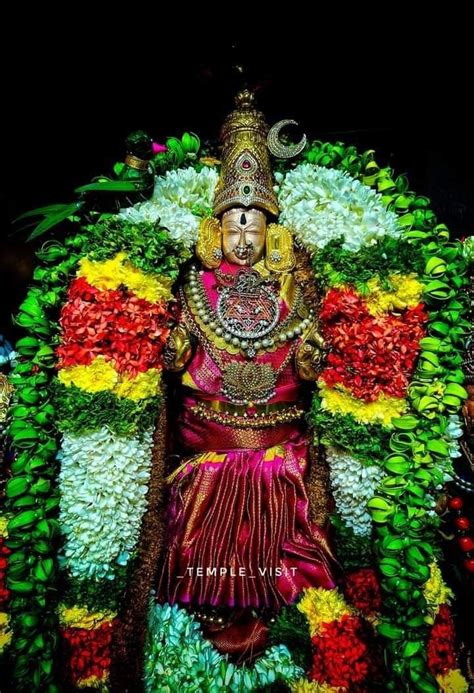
x=103 y=485
x=320 y=204
x=180 y=199
x=353 y=484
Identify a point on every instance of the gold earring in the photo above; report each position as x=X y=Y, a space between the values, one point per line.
x=209 y=243
x=279 y=254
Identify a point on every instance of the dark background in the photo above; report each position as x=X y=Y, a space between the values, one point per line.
x=73 y=91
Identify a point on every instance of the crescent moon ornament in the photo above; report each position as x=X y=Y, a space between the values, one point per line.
x=277 y=148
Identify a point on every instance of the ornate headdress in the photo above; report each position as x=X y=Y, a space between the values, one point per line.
x=246 y=181
x=246 y=176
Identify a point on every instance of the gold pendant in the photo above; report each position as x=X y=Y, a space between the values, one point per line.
x=245 y=383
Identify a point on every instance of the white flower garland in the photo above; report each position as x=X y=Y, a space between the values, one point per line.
x=321 y=204
x=103 y=485
x=179 y=201
x=318 y=204
x=353 y=485
x=177 y=657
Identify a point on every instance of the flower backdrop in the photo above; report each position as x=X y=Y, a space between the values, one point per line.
x=88 y=390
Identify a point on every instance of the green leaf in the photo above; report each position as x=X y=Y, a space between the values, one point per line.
x=411 y=648
x=427 y=685
x=112 y=186
x=388 y=630
x=456 y=390
x=54 y=219
x=390 y=567
x=438 y=447
x=20 y=586
x=40 y=212
x=393 y=543
x=406 y=423
x=378 y=503
x=17 y=486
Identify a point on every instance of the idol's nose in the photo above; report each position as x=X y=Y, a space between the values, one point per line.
x=242 y=239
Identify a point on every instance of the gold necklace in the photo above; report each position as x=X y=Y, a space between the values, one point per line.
x=263 y=333
x=244 y=383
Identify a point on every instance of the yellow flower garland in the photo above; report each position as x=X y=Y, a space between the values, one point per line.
x=80 y=617
x=340 y=401
x=320 y=606
x=435 y=591
x=5 y=632
x=305 y=686
x=452 y=682
x=406 y=293
x=101 y=375
x=110 y=274
x=95 y=682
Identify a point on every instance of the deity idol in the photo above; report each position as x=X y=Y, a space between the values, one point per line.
x=239 y=535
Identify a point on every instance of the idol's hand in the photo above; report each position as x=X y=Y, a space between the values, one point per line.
x=178 y=349
x=310 y=354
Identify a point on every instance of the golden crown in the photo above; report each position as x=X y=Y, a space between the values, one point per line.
x=246 y=177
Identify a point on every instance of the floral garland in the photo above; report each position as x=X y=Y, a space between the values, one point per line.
x=353 y=484
x=177 y=656
x=179 y=199
x=392 y=283
x=114 y=279
x=344 y=649
x=87 y=637
x=321 y=204
x=389 y=289
x=114 y=326
x=32 y=497
x=101 y=523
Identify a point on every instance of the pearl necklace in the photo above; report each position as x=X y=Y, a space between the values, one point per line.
x=249 y=346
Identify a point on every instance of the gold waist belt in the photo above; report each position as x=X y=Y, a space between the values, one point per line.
x=241 y=416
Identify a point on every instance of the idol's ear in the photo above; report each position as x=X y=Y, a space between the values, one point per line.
x=209 y=243
x=279 y=254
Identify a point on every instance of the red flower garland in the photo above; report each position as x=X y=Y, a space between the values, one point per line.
x=362 y=589
x=369 y=355
x=4 y=591
x=115 y=324
x=89 y=651
x=341 y=658
x=442 y=644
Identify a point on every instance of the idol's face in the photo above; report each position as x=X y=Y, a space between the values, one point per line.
x=243 y=235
